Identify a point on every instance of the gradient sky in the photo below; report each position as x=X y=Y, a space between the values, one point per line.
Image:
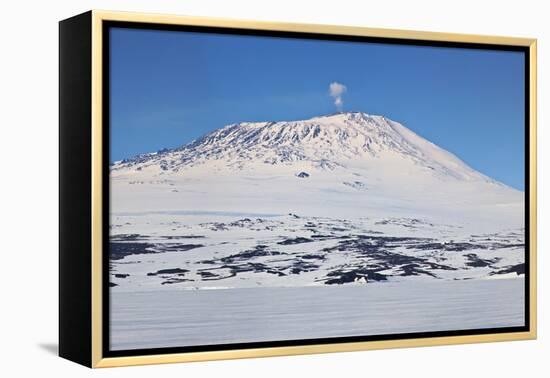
x=168 y=88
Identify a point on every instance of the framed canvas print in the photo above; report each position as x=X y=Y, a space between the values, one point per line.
x=236 y=189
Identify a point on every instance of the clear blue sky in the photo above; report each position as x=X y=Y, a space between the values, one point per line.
x=168 y=88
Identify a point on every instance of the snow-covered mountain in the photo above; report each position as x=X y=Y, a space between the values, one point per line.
x=327 y=142
x=337 y=199
x=339 y=162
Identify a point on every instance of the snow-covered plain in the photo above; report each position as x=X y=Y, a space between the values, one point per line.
x=205 y=317
x=343 y=200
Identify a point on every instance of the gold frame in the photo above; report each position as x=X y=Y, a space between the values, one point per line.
x=97 y=217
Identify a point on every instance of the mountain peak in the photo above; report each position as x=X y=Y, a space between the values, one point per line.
x=348 y=115
x=338 y=140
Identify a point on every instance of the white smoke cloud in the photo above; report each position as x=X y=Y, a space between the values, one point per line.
x=336 y=90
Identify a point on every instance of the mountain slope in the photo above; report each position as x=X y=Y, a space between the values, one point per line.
x=326 y=142
x=345 y=164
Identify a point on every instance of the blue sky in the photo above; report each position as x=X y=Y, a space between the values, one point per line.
x=168 y=88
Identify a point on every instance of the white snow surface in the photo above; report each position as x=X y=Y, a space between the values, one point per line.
x=207 y=317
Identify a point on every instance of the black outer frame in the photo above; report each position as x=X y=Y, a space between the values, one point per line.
x=75 y=86
x=75 y=189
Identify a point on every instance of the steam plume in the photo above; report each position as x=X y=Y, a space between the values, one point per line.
x=336 y=90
